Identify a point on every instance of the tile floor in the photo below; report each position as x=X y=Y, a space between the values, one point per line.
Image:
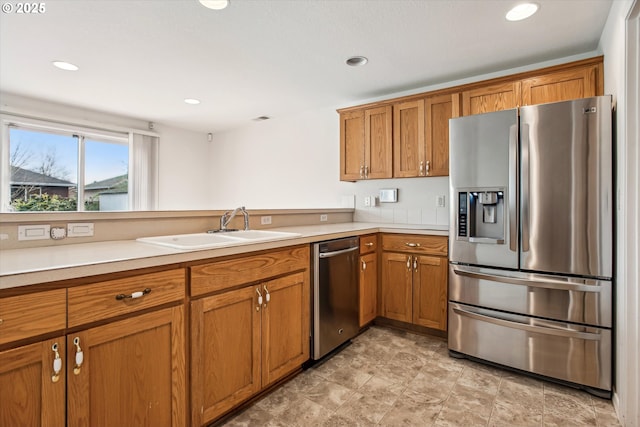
x=395 y=378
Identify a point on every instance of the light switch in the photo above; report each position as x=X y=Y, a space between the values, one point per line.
x=33 y=232
x=80 y=229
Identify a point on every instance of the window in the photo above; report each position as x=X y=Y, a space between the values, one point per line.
x=55 y=167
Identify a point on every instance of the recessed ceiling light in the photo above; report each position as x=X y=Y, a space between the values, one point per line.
x=261 y=118
x=356 y=61
x=522 y=11
x=192 y=101
x=65 y=66
x=215 y=4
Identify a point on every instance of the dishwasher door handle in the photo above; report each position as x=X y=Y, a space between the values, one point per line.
x=336 y=253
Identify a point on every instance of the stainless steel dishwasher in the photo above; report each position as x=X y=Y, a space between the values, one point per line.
x=335 y=294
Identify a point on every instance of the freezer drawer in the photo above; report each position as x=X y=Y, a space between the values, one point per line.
x=567 y=352
x=570 y=299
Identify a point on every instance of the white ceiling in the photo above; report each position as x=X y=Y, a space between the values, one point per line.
x=141 y=58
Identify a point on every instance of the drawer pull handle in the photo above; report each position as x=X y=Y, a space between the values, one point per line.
x=134 y=295
x=413 y=245
x=369 y=244
x=364 y=265
x=409 y=263
x=57 y=364
x=79 y=356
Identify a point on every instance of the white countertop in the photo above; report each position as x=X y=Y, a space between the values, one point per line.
x=23 y=267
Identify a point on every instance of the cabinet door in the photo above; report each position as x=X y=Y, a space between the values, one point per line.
x=438 y=111
x=430 y=292
x=352 y=145
x=378 y=142
x=29 y=394
x=408 y=139
x=396 y=286
x=560 y=86
x=225 y=352
x=368 y=288
x=132 y=372
x=285 y=326
x=487 y=99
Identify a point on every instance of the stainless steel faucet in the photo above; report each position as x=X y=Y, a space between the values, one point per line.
x=226 y=218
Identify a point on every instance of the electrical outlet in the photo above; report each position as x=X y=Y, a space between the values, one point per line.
x=367 y=201
x=323 y=217
x=440 y=201
x=265 y=220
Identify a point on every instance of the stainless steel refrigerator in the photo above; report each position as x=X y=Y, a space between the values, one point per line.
x=531 y=234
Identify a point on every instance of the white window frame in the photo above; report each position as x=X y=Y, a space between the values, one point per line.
x=145 y=159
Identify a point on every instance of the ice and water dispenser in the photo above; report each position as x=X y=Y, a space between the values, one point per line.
x=481 y=216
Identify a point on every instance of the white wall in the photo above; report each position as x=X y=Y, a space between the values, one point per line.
x=185 y=178
x=627 y=371
x=184 y=155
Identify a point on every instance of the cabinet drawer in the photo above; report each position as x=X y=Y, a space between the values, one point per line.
x=432 y=245
x=216 y=276
x=112 y=298
x=368 y=243
x=26 y=316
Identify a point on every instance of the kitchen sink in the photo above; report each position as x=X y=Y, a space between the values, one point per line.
x=216 y=240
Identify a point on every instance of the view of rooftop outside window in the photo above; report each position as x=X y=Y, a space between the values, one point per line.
x=52 y=171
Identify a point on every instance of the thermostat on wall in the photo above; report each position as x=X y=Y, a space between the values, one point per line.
x=389 y=195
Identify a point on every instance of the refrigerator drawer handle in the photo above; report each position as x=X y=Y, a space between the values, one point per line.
x=546 y=284
x=486 y=240
x=334 y=253
x=538 y=329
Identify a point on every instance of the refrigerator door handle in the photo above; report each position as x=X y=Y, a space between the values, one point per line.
x=513 y=188
x=568 y=333
x=486 y=240
x=526 y=193
x=539 y=283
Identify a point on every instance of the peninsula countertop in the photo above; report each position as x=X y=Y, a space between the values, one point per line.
x=30 y=266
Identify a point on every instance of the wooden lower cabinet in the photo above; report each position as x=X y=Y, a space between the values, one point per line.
x=414 y=280
x=397 y=284
x=368 y=288
x=244 y=340
x=30 y=393
x=430 y=292
x=128 y=372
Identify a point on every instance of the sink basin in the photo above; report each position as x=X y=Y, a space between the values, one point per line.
x=216 y=240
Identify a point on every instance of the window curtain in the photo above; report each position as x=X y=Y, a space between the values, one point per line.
x=143 y=172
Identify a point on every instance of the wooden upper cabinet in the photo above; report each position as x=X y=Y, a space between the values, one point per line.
x=351 y=145
x=562 y=86
x=377 y=143
x=487 y=99
x=365 y=144
x=438 y=111
x=408 y=139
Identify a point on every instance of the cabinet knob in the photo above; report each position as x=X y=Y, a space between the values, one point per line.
x=369 y=244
